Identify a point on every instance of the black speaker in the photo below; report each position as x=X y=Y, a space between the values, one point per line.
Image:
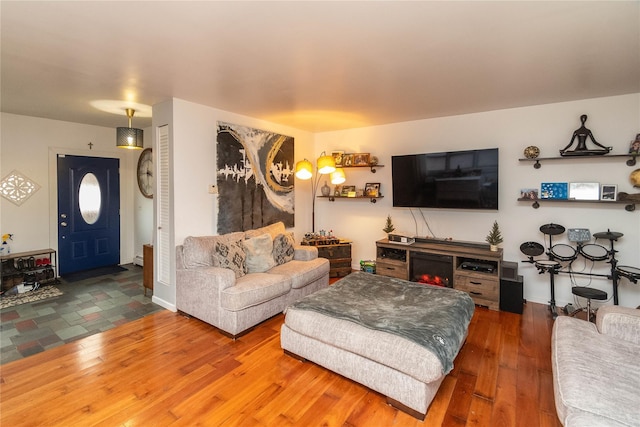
x=511 y=296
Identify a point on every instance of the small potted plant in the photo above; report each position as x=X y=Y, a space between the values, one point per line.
x=494 y=238
x=388 y=227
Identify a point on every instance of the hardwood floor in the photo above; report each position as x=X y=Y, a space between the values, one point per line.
x=166 y=369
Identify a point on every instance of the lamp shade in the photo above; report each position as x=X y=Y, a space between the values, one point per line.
x=338 y=177
x=129 y=138
x=304 y=169
x=326 y=164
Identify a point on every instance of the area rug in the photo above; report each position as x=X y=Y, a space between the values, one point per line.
x=95 y=272
x=32 y=296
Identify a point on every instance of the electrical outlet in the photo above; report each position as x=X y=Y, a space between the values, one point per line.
x=213 y=189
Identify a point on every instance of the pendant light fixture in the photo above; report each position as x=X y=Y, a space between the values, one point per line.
x=129 y=137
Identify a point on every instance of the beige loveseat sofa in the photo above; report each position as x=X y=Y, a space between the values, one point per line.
x=596 y=368
x=237 y=280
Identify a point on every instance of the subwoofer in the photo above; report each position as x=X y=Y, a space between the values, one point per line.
x=511 y=295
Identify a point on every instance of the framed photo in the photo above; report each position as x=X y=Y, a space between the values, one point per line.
x=529 y=193
x=584 y=191
x=361 y=159
x=609 y=192
x=634 y=148
x=346 y=189
x=372 y=189
x=338 y=157
x=347 y=160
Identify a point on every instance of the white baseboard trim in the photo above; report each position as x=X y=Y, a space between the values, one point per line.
x=163 y=303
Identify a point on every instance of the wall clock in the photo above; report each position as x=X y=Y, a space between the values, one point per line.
x=145 y=173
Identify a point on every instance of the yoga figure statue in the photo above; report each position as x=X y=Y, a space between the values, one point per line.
x=582 y=133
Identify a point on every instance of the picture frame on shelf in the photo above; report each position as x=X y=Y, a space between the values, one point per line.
x=584 y=191
x=529 y=193
x=609 y=192
x=361 y=159
x=346 y=189
x=338 y=157
x=372 y=189
x=634 y=148
x=347 y=159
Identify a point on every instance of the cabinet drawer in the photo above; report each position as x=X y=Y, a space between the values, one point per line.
x=397 y=270
x=480 y=287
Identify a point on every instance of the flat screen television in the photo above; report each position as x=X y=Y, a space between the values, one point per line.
x=450 y=180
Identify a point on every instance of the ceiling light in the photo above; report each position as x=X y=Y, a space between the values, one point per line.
x=129 y=137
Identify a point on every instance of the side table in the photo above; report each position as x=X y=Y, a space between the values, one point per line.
x=339 y=256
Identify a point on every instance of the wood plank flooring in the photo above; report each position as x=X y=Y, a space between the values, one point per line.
x=169 y=370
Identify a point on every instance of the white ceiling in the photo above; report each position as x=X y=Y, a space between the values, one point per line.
x=317 y=66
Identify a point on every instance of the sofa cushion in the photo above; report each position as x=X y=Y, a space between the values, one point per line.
x=254 y=289
x=273 y=230
x=283 y=248
x=198 y=250
x=259 y=253
x=230 y=254
x=302 y=273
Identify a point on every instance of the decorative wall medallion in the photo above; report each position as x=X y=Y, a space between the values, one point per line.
x=635 y=178
x=17 y=188
x=531 y=152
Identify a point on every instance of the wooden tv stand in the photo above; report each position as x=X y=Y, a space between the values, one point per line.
x=482 y=284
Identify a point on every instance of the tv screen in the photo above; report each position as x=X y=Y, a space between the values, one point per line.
x=451 y=180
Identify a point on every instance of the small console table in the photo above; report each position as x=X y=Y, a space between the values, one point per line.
x=472 y=267
x=147 y=268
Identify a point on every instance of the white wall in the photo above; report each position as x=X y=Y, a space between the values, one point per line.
x=30 y=145
x=143 y=207
x=614 y=122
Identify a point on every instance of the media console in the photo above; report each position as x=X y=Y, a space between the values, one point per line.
x=467 y=266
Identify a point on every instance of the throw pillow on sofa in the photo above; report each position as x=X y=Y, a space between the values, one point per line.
x=230 y=254
x=198 y=250
x=283 y=248
x=259 y=253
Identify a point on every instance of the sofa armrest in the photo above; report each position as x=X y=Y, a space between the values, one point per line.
x=305 y=253
x=619 y=322
x=212 y=277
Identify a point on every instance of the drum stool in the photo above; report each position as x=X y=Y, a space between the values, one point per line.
x=589 y=294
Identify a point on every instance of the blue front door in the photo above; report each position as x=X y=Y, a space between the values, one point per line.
x=88 y=213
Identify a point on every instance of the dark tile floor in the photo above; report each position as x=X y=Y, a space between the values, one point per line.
x=87 y=307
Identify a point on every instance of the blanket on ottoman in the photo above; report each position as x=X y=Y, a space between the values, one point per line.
x=433 y=317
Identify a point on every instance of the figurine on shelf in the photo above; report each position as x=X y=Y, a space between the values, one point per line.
x=582 y=133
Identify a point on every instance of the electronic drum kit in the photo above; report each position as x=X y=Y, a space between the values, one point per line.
x=563 y=253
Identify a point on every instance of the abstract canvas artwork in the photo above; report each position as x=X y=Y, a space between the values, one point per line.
x=254 y=177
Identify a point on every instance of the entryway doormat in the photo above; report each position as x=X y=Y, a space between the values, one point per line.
x=31 y=296
x=95 y=272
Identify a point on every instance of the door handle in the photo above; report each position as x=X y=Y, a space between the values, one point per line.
x=63 y=224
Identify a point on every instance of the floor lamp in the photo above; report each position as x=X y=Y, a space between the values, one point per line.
x=325 y=165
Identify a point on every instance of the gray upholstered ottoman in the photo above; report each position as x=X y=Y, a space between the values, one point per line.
x=396 y=337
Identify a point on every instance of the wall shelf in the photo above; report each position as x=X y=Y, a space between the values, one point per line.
x=333 y=198
x=631 y=161
x=630 y=206
x=372 y=167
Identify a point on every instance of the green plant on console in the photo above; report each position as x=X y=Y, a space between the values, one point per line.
x=494 y=237
x=388 y=227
